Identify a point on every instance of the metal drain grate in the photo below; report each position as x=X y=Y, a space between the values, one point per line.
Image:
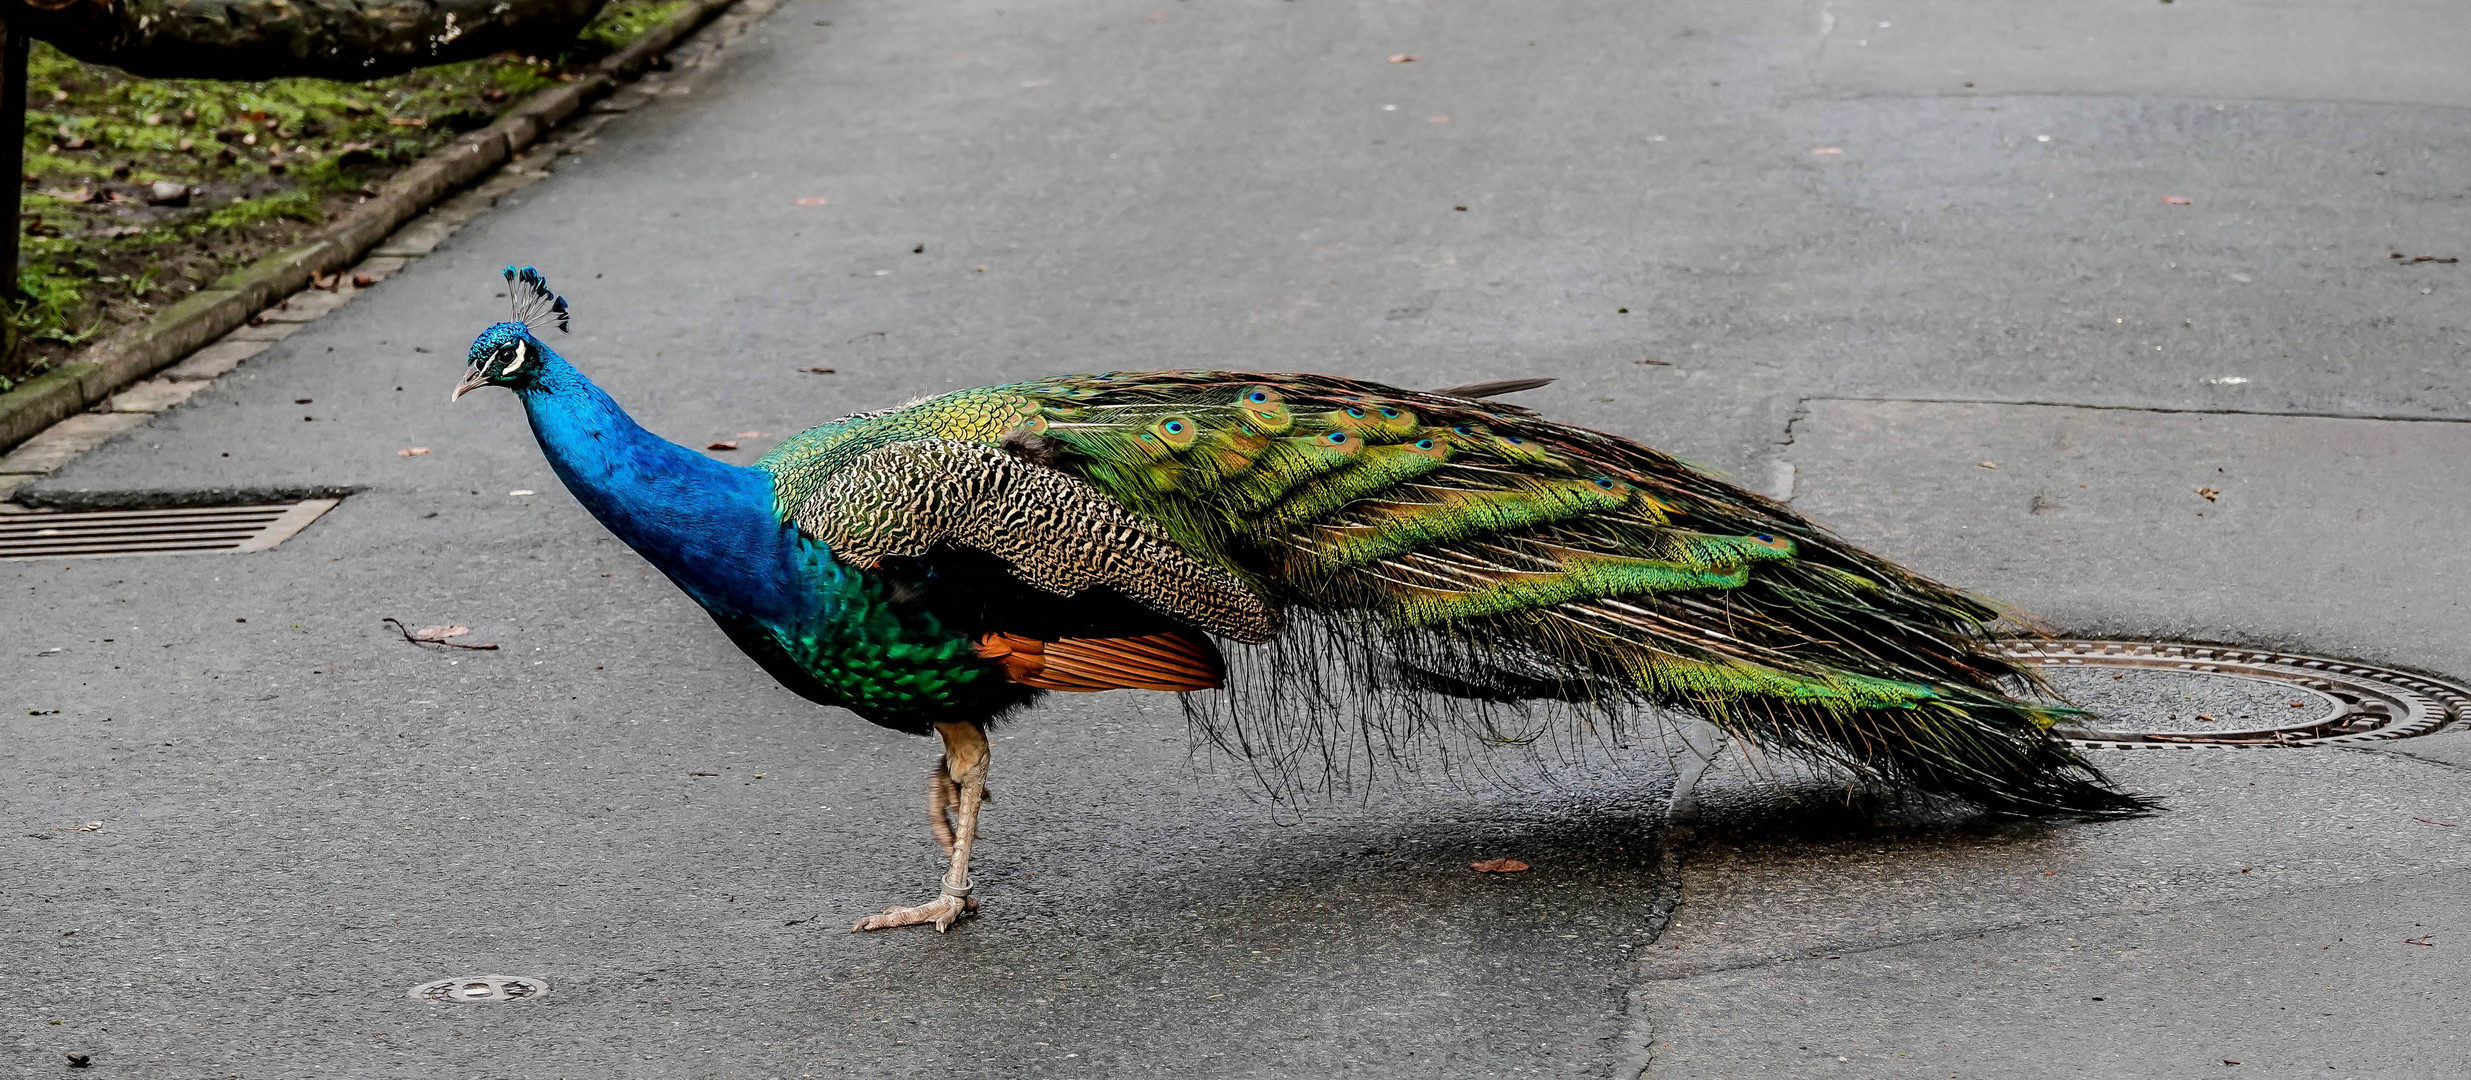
x=113 y=533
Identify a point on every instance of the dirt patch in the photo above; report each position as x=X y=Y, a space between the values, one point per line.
x=139 y=192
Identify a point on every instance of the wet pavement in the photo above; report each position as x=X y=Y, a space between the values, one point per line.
x=1959 y=323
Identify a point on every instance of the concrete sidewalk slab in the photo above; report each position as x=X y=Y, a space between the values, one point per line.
x=2339 y=537
x=2278 y=986
x=2375 y=51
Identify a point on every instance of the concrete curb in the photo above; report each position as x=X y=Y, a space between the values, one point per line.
x=206 y=315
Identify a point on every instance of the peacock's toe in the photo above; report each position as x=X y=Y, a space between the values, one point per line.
x=943 y=911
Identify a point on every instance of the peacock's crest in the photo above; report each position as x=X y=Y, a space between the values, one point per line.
x=535 y=304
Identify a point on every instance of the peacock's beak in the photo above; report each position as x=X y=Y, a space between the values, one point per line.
x=472 y=381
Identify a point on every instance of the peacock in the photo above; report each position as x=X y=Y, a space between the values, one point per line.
x=1379 y=559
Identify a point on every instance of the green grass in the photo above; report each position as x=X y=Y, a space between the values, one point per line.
x=268 y=161
x=619 y=25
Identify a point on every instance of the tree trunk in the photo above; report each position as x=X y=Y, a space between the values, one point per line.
x=265 y=39
x=13 y=44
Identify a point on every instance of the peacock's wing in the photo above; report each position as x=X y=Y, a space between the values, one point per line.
x=1059 y=586
x=1482 y=552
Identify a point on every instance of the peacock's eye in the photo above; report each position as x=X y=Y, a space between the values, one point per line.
x=1516 y=441
x=1336 y=437
x=1424 y=444
x=1464 y=430
x=1355 y=412
x=1257 y=397
x=1390 y=413
x=1766 y=539
x=1175 y=427
x=1608 y=485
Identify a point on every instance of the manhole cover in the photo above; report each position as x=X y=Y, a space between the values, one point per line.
x=2153 y=695
x=480 y=988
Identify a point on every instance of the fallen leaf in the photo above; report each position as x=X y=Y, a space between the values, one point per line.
x=815 y=200
x=1403 y=58
x=817 y=370
x=436 y=635
x=750 y=434
x=722 y=445
x=412 y=451
x=363 y=281
x=520 y=492
x=2209 y=494
x=2433 y=821
x=703 y=774
x=91 y=826
x=1653 y=362
x=2175 y=200
x=2230 y=1061
x=2205 y=718
x=1992 y=465
x=1497 y=866
x=73 y=195
x=408 y=121
x=1828 y=151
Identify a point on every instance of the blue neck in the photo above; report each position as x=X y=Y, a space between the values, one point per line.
x=707 y=524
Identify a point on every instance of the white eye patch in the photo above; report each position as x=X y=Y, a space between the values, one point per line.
x=523 y=352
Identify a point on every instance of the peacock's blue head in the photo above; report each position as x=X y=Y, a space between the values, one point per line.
x=507 y=354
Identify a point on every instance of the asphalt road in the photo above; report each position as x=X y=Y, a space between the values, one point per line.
x=1863 y=247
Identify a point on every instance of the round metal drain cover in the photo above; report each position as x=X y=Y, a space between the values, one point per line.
x=2140 y=695
x=480 y=988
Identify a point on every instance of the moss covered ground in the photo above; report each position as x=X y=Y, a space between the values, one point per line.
x=139 y=191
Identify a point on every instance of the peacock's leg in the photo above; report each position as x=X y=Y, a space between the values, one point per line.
x=960 y=778
x=943 y=797
x=944 y=800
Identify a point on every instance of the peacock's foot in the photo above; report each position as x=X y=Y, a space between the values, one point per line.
x=941 y=911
